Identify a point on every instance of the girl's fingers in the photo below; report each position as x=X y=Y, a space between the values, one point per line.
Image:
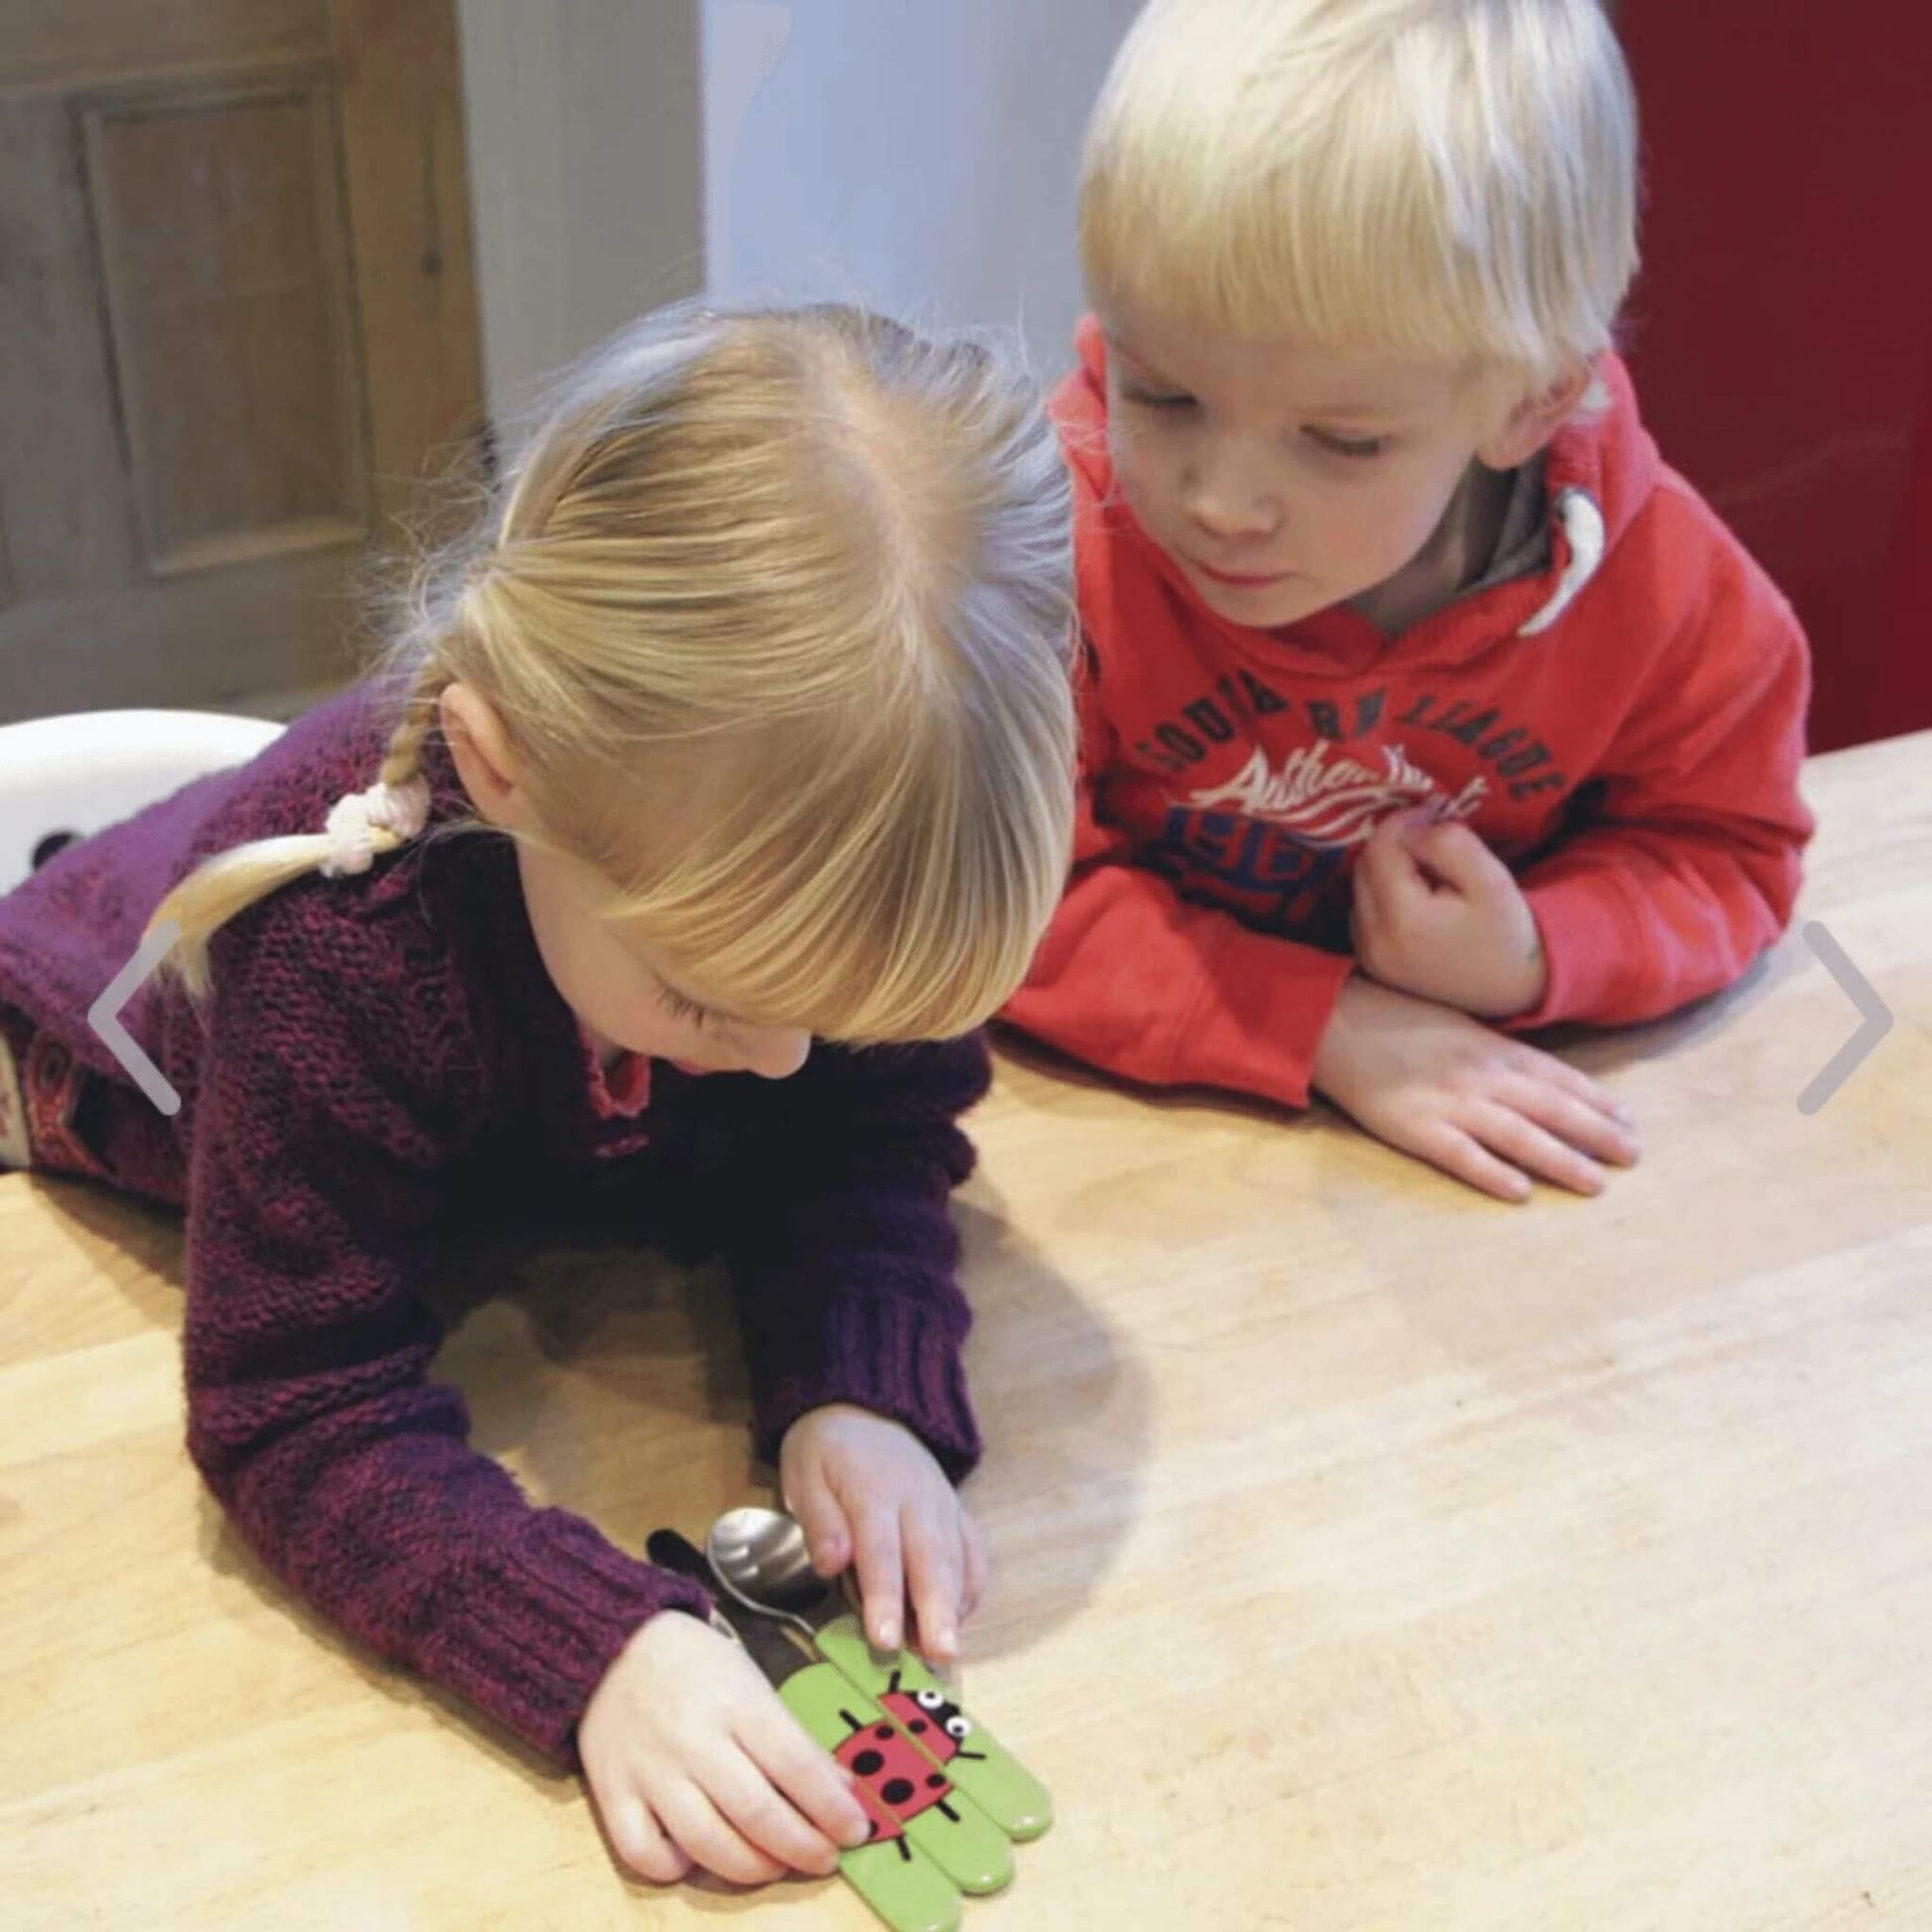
x=933 y=1576
x=978 y=1568
x=777 y=1744
x=708 y=1838
x=881 y=1576
x=767 y=1820
x=1459 y=1154
x=1574 y=1120
x=640 y=1843
x=827 y=1534
x=1532 y=1147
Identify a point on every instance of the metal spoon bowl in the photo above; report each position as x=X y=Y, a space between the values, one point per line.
x=761 y=1558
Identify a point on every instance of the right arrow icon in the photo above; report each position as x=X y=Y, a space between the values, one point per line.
x=1862 y=995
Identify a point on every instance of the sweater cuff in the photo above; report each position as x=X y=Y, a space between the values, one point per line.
x=884 y=1353
x=532 y=1639
x=1585 y=924
x=1263 y=1009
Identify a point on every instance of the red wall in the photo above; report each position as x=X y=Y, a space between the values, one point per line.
x=1781 y=331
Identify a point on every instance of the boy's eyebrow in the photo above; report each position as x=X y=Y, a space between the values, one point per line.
x=1371 y=411
x=1121 y=346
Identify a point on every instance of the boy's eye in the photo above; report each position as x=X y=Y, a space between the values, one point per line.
x=1155 y=399
x=1355 y=445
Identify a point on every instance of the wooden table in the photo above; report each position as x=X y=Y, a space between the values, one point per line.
x=1370 y=1556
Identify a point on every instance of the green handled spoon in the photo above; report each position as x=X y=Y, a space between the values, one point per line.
x=760 y=1558
x=931 y=1830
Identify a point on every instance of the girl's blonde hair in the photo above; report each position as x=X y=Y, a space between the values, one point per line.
x=1454 y=178
x=776 y=610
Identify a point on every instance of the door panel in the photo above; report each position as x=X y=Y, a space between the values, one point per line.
x=237 y=299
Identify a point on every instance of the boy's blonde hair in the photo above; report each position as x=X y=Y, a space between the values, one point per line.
x=776 y=610
x=1454 y=178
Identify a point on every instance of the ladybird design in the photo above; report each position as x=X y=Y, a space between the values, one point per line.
x=941 y=1728
x=895 y=1782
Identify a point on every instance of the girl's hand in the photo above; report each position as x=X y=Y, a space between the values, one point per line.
x=868 y=1492
x=693 y=1760
x=1486 y=1109
x=1437 y=914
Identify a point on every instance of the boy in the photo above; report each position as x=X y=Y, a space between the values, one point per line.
x=1401 y=640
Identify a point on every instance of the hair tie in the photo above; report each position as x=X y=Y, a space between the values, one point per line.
x=355 y=816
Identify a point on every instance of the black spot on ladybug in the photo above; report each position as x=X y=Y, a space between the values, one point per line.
x=895 y=1791
x=916 y=1726
x=866 y=1762
x=884 y=1730
x=935 y=1782
x=872 y=1828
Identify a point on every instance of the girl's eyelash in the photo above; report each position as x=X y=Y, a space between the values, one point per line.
x=1147 y=400
x=678 y=1007
x=1353 y=446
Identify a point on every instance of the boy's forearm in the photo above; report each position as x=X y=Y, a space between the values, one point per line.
x=1637 y=922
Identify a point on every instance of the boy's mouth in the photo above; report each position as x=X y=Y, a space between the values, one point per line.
x=1242 y=579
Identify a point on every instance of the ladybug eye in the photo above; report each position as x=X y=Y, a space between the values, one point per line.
x=958 y=1726
x=930 y=1699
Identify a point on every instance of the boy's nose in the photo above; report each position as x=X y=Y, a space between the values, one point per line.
x=1230 y=503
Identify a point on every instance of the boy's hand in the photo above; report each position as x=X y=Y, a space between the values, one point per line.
x=869 y=1493
x=1440 y=915
x=693 y=1760
x=1486 y=1109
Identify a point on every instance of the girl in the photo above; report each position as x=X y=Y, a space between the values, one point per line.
x=752 y=695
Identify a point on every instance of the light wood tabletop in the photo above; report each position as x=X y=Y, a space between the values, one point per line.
x=1370 y=1556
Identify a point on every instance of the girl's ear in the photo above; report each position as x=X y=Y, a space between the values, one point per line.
x=486 y=761
x=1536 y=418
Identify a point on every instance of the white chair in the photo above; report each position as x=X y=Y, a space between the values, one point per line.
x=64 y=778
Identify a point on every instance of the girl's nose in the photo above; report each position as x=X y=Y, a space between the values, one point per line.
x=775 y=1053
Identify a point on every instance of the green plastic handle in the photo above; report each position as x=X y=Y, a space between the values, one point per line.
x=976 y=1761
x=908 y=1800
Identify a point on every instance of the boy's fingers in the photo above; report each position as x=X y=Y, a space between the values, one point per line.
x=1575 y=1081
x=1576 y=1121
x=1534 y=1147
x=1386 y=860
x=1461 y=1156
x=1460 y=857
x=882 y=1577
x=933 y=1568
x=777 y=1743
x=710 y=1840
x=827 y=1535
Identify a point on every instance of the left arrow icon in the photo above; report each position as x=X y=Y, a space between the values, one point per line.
x=104 y=1015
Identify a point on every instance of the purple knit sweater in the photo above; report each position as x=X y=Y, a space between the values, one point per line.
x=383 y=1064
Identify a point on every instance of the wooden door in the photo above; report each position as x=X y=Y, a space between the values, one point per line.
x=238 y=320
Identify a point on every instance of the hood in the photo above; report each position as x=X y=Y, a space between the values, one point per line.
x=1600 y=468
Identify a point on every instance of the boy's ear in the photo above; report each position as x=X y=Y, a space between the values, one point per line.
x=486 y=760
x=1534 y=419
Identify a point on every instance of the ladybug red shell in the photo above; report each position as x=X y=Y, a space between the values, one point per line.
x=895 y=1781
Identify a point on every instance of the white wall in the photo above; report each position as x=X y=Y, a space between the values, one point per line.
x=919 y=155
x=585 y=123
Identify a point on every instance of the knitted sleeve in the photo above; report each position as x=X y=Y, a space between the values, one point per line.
x=843 y=1253
x=336 y=1092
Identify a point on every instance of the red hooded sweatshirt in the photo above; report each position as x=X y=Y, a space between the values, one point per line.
x=1624 y=728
